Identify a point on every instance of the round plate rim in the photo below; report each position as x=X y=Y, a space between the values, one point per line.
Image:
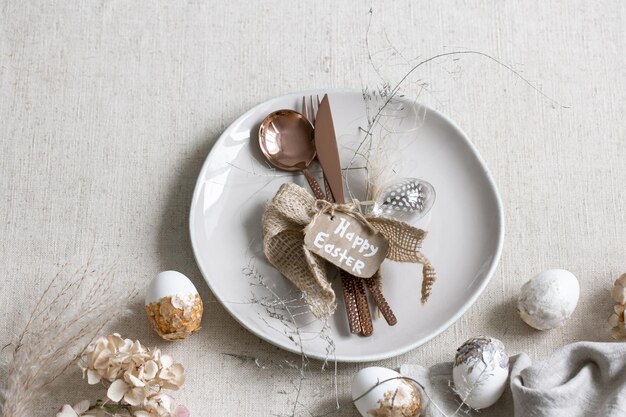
x=392 y=352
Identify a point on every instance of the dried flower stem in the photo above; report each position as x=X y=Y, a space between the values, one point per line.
x=284 y=310
x=386 y=94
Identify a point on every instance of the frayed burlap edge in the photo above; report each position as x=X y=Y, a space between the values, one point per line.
x=285 y=219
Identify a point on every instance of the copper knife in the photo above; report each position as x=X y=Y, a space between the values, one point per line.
x=327 y=151
x=328 y=155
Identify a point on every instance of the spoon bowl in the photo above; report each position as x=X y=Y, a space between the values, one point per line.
x=287 y=141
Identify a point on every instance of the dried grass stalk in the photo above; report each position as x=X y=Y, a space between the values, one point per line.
x=75 y=307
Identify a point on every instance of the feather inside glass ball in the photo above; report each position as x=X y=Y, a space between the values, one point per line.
x=407 y=199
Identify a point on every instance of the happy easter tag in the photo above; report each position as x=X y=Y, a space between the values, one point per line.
x=347 y=243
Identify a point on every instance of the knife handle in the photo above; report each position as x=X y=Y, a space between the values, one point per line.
x=367 y=327
x=354 y=304
x=380 y=301
x=317 y=190
x=349 y=296
x=329 y=193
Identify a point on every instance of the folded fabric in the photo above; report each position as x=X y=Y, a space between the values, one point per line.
x=583 y=379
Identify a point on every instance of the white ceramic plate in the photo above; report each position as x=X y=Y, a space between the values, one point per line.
x=464 y=242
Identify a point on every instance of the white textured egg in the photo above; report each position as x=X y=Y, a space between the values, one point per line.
x=378 y=391
x=173 y=306
x=549 y=299
x=480 y=372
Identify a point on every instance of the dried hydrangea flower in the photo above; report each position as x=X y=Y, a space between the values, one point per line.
x=136 y=375
x=619 y=290
x=161 y=405
x=110 y=357
x=75 y=411
x=131 y=390
x=616 y=320
x=171 y=375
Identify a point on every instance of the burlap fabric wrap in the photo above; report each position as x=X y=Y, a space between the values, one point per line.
x=284 y=224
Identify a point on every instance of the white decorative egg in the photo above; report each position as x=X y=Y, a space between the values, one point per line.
x=381 y=392
x=480 y=372
x=173 y=306
x=549 y=299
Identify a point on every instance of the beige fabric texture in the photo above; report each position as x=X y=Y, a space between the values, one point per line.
x=109 y=108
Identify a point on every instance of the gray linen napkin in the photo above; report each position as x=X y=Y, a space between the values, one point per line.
x=583 y=379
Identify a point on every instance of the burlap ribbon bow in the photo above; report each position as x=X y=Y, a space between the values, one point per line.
x=284 y=222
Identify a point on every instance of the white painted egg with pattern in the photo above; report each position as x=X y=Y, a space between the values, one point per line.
x=480 y=371
x=549 y=299
x=379 y=392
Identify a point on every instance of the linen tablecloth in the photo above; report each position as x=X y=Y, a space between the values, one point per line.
x=109 y=108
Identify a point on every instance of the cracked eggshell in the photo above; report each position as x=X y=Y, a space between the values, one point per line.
x=375 y=398
x=480 y=371
x=549 y=299
x=173 y=306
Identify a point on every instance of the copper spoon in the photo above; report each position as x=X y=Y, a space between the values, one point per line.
x=286 y=139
